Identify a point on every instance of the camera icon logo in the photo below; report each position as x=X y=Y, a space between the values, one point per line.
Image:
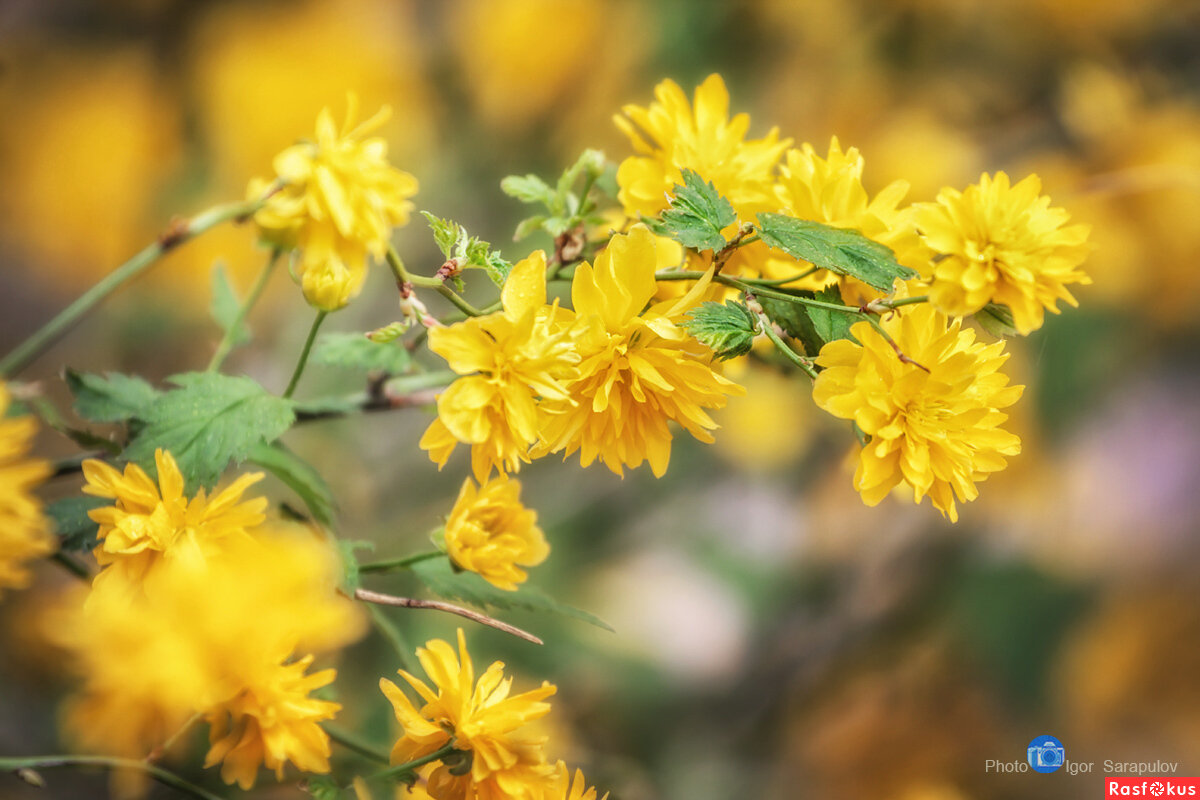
x=1046 y=754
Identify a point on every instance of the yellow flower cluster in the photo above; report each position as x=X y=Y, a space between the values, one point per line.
x=340 y=199
x=933 y=427
x=493 y=755
x=604 y=379
x=24 y=529
x=932 y=418
x=201 y=610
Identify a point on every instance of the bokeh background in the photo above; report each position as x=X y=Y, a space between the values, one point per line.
x=775 y=638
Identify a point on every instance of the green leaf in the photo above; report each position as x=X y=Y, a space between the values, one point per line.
x=794 y=320
x=728 y=330
x=109 y=398
x=322 y=787
x=74 y=527
x=832 y=325
x=389 y=333
x=528 y=226
x=356 y=351
x=209 y=421
x=445 y=232
x=440 y=577
x=840 y=250
x=996 y=320
x=529 y=189
x=300 y=476
x=497 y=268
x=698 y=214
x=225 y=305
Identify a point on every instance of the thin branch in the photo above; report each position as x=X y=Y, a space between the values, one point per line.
x=412 y=766
x=351 y=741
x=399 y=563
x=227 y=341
x=368 y=596
x=165 y=777
x=303 y=360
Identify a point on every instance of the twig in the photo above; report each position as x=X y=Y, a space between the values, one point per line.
x=165 y=777
x=368 y=596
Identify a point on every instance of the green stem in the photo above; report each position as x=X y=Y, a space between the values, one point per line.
x=159 y=774
x=227 y=340
x=803 y=363
x=903 y=301
x=351 y=741
x=308 y=343
x=176 y=234
x=459 y=303
x=399 y=563
x=411 y=766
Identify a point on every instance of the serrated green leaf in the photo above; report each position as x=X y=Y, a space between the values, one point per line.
x=445 y=232
x=528 y=189
x=498 y=269
x=112 y=397
x=75 y=529
x=840 y=250
x=209 y=421
x=997 y=320
x=322 y=787
x=698 y=214
x=728 y=330
x=356 y=351
x=299 y=476
x=439 y=576
x=225 y=305
x=832 y=325
x=528 y=226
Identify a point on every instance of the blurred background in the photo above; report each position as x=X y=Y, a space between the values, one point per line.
x=774 y=637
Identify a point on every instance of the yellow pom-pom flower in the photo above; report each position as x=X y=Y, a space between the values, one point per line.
x=933 y=425
x=639 y=370
x=671 y=134
x=830 y=190
x=339 y=202
x=511 y=362
x=151 y=521
x=24 y=529
x=998 y=243
x=491 y=533
x=495 y=757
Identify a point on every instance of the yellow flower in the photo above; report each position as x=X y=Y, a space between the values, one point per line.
x=483 y=721
x=271 y=723
x=997 y=243
x=226 y=639
x=639 y=371
x=933 y=425
x=24 y=529
x=339 y=204
x=564 y=789
x=490 y=532
x=510 y=361
x=830 y=190
x=150 y=522
x=670 y=135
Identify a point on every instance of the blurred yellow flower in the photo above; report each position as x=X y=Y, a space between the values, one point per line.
x=222 y=639
x=490 y=532
x=339 y=202
x=24 y=529
x=996 y=243
x=564 y=788
x=933 y=425
x=830 y=190
x=150 y=522
x=270 y=723
x=670 y=135
x=639 y=370
x=768 y=427
x=493 y=757
x=509 y=361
